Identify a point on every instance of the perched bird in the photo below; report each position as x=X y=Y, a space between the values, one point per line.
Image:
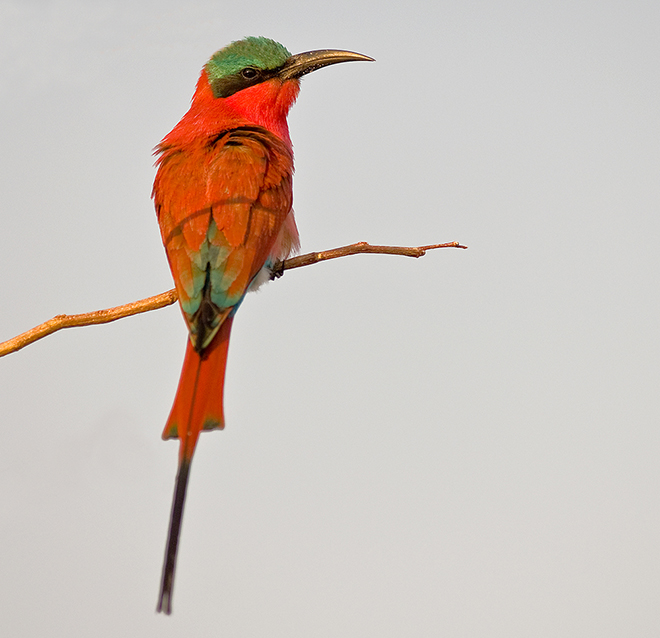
x=223 y=197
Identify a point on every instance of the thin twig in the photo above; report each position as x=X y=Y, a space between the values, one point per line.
x=356 y=249
x=168 y=298
x=87 y=319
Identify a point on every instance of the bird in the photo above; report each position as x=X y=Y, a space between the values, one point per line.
x=223 y=198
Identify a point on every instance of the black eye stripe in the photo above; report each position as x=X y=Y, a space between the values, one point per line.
x=248 y=76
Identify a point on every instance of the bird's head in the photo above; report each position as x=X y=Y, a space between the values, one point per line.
x=259 y=78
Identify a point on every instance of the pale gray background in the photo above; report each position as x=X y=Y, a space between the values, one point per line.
x=463 y=445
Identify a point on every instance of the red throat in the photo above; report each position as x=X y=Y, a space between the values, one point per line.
x=266 y=104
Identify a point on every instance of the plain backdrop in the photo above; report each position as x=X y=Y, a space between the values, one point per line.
x=461 y=445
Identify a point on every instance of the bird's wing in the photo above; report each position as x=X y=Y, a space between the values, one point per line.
x=221 y=202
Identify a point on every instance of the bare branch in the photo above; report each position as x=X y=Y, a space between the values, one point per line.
x=356 y=249
x=87 y=319
x=168 y=298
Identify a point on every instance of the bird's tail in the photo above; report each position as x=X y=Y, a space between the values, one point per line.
x=198 y=406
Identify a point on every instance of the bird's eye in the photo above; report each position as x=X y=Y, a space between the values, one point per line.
x=249 y=73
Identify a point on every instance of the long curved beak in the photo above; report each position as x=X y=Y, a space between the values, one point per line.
x=303 y=63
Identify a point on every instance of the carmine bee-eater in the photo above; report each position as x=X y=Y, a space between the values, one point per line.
x=223 y=196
